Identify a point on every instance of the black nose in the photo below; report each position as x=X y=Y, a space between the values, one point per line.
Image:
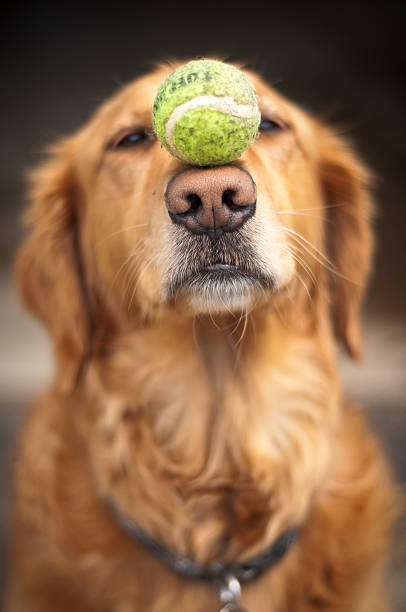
x=211 y=200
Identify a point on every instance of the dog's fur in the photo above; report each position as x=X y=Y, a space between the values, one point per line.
x=208 y=409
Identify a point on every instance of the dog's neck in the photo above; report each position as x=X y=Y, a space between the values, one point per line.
x=206 y=428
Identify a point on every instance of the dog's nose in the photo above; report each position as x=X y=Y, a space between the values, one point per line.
x=211 y=200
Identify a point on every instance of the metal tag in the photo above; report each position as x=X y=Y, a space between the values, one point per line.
x=230 y=594
x=233 y=607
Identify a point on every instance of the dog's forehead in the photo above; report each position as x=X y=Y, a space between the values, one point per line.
x=146 y=87
x=133 y=104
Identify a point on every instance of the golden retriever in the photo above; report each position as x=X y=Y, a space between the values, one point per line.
x=196 y=416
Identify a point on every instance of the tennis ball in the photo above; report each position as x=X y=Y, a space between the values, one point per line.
x=206 y=113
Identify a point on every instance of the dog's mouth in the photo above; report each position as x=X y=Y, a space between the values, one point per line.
x=219 y=267
x=224 y=272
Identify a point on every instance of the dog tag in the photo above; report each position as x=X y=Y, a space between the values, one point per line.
x=233 y=607
x=230 y=593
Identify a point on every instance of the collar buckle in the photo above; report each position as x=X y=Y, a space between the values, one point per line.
x=230 y=594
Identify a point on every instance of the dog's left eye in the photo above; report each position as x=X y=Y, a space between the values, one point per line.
x=268 y=125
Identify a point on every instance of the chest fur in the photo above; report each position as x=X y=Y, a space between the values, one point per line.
x=212 y=451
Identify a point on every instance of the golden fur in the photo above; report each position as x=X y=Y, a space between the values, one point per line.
x=213 y=419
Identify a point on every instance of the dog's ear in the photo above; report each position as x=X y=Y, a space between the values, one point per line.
x=49 y=269
x=345 y=182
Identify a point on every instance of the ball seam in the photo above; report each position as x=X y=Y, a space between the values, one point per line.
x=224 y=104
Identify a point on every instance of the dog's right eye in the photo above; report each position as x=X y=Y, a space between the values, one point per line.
x=129 y=140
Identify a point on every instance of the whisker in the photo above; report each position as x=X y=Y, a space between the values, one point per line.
x=318 y=207
x=126 y=261
x=213 y=321
x=303 y=263
x=252 y=320
x=237 y=324
x=245 y=326
x=329 y=265
x=308 y=243
x=125 y=229
x=194 y=333
x=147 y=265
x=243 y=316
x=278 y=312
x=297 y=275
x=225 y=305
x=130 y=273
x=302 y=214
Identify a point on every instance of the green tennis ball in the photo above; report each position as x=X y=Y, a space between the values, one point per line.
x=206 y=113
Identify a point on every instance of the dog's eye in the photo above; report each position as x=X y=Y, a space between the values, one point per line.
x=268 y=125
x=126 y=141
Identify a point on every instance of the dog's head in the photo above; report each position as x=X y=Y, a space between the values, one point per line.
x=123 y=232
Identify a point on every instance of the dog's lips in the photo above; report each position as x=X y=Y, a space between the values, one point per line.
x=221 y=274
x=203 y=266
x=220 y=267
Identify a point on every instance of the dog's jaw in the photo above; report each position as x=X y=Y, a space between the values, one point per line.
x=230 y=274
x=222 y=292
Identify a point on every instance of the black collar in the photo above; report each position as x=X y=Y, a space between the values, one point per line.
x=244 y=572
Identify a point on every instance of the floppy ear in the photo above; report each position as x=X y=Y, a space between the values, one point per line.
x=345 y=183
x=49 y=270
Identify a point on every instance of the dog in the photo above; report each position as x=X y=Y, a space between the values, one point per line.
x=195 y=451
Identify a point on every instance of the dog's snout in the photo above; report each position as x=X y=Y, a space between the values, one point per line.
x=211 y=200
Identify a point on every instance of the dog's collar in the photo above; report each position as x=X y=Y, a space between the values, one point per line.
x=215 y=571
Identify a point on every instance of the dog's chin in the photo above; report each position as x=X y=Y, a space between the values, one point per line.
x=220 y=288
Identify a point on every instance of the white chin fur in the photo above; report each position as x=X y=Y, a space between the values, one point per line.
x=221 y=296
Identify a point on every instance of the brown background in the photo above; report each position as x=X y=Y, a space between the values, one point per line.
x=344 y=61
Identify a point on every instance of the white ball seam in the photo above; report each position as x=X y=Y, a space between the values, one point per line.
x=225 y=104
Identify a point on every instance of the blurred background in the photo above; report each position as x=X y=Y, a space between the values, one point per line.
x=343 y=61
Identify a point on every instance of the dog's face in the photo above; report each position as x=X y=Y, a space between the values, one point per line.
x=115 y=212
x=149 y=255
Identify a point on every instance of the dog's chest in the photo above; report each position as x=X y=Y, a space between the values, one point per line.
x=197 y=498
x=203 y=453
